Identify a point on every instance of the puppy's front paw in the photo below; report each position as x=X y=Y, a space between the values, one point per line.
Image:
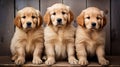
x=14 y=58
x=20 y=60
x=50 y=61
x=36 y=60
x=83 y=61
x=72 y=60
x=103 y=61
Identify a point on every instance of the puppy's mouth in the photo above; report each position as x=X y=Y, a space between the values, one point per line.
x=59 y=25
x=93 y=28
x=28 y=28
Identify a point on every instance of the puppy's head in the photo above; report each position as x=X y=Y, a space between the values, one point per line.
x=92 y=18
x=58 y=15
x=28 y=18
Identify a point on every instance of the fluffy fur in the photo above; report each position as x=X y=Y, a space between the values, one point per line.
x=90 y=37
x=59 y=34
x=28 y=37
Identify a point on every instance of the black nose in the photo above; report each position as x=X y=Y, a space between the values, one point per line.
x=59 y=20
x=93 y=24
x=28 y=24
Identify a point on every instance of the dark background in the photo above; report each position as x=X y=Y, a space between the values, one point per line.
x=8 y=9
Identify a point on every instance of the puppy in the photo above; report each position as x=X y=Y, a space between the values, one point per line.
x=28 y=37
x=59 y=34
x=90 y=38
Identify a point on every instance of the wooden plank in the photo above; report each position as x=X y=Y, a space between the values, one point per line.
x=6 y=61
x=76 y=6
x=47 y=3
x=6 y=25
x=105 y=6
x=27 y=3
x=115 y=27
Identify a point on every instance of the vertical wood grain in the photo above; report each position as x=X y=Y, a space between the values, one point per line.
x=6 y=25
x=26 y=3
x=115 y=27
x=112 y=28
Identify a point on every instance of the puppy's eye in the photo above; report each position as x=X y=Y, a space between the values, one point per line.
x=63 y=13
x=24 y=17
x=54 y=13
x=88 y=17
x=97 y=18
x=33 y=17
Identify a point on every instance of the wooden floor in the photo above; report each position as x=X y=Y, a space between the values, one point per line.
x=5 y=61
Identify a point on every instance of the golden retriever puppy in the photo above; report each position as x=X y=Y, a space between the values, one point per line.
x=28 y=37
x=90 y=38
x=59 y=34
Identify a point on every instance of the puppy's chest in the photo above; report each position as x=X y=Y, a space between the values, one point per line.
x=31 y=38
x=60 y=50
x=61 y=37
x=94 y=37
x=61 y=45
x=92 y=43
x=30 y=42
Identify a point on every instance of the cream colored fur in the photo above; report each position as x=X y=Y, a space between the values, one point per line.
x=27 y=41
x=59 y=39
x=90 y=40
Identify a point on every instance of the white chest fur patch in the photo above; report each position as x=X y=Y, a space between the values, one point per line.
x=60 y=50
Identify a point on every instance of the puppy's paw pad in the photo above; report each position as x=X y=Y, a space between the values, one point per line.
x=20 y=61
x=83 y=62
x=103 y=61
x=36 y=60
x=50 y=61
x=73 y=61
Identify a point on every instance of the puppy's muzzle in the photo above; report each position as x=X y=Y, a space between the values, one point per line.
x=93 y=24
x=29 y=24
x=59 y=21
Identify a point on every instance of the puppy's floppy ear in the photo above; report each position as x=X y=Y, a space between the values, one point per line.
x=47 y=17
x=40 y=21
x=80 y=19
x=104 y=20
x=70 y=17
x=17 y=21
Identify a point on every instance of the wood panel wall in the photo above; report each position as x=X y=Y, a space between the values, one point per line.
x=8 y=9
x=115 y=27
x=6 y=25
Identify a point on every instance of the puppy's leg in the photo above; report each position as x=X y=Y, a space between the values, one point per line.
x=100 y=54
x=50 y=54
x=37 y=53
x=21 y=55
x=81 y=54
x=14 y=57
x=71 y=53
